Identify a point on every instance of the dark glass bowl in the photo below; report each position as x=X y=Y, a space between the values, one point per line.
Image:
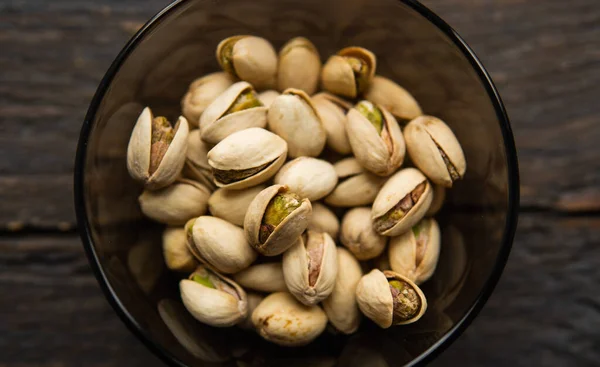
x=415 y=48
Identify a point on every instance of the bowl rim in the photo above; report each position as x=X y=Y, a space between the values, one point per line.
x=434 y=350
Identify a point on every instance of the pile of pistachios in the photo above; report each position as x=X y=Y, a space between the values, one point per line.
x=256 y=174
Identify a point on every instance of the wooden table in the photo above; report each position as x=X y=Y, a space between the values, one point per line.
x=545 y=59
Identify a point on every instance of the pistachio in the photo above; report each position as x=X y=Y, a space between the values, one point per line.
x=176 y=204
x=401 y=203
x=247 y=158
x=232 y=205
x=175 y=251
x=358 y=235
x=393 y=98
x=267 y=277
x=310 y=178
x=435 y=150
x=355 y=187
x=252 y=59
x=293 y=116
x=267 y=97
x=280 y=319
x=439 y=195
x=299 y=66
x=196 y=165
x=349 y=72
x=324 y=220
x=156 y=151
x=202 y=92
x=375 y=138
x=332 y=111
x=310 y=267
x=275 y=219
x=213 y=299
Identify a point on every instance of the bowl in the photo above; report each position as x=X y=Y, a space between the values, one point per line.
x=416 y=49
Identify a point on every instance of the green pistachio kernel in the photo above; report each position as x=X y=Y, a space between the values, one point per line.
x=282 y=205
x=244 y=101
x=361 y=72
x=406 y=300
x=162 y=136
x=398 y=211
x=372 y=113
x=204 y=280
x=230 y=176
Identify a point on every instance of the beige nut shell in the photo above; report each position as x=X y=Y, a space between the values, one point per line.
x=202 y=92
x=393 y=98
x=355 y=187
x=337 y=76
x=333 y=117
x=358 y=236
x=324 y=220
x=232 y=205
x=196 y=165
x=299 y=66
x=308 y=177
x=267 y=277
x=175 y=251
x=254 y=60
x=175 y=204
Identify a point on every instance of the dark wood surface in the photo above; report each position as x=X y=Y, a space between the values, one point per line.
x=545 y=59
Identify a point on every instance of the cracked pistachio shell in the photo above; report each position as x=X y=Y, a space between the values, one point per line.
x=395 y=190
x=252 y=59
x=175 y=251
x=216 y=123
x=375 y=298
x=439 y=196
x=175 y=204
x=267 y=97
x=232 y=205
x=338 y=77
x=341 y=307
x=202 y=92
x=139 y=153
x=381 y=153
x=285 y=233
x=393 y=98
x=308 y=177
x=292 y=116
x=324 y=220
x=415 y=253
x=426 y=137
x=220 y=305
x=254 y=299
x=356 y=187
x=358 y=235
x=253 y=148
x=196 y=164
x=332 y=111
x=267 y=277
x=281 y=319
x=310 y=267
x=222 y=244
x=299 y=66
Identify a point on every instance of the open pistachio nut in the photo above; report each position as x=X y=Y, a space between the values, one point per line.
x=196 y=164
x=175 y=204
x=267 y=277
x=232 y=205
x=275 y=219
x=281 y=319
x=358 y=236
x=332 y=111
x=299 y=66
x=202 y=92
x=393 y=98
x=341 y=307
x=349 y=72
x=324 y=220
x=434 y=150
x=156 y=150
x=310 y=267
x=375 y=137
x=402 y=202
x=249 y=58
x=415 y=253
x=247 y=158
x=175 y=251
x=308 y=177
x=222 y=245
x=213 y=299
x=356 y=187
x=389 y=298
x=439 y=196
x=268 y=96
x=292 y=116
x=237 y=108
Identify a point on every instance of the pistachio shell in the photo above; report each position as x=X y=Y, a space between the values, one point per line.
x=175 y=251
x=338 y=76
x=299 y=66
x=139 y=153
x=381 y=153
x=267 y=97
x=393 y=98
x=281 y=319
x=324 y=220
x=286 y=233
x=293 y=117
x=310 y=267
x=439 y=196
x=232 y=205
x=175 y=204
x=358 y=235
x=310 y=178
x=245 y=150
x=267 y=277
x=341 y=307
x=416 y=261
x=355 y=187
x=395 y=190
x=254 y=299
x=426 y=137
x=196 y=164
x=333 y=117
x=213 y=306
x=252 y=59
x=202 y=92
x=222 y=245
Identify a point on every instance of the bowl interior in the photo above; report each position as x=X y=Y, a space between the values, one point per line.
x=155 y=70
